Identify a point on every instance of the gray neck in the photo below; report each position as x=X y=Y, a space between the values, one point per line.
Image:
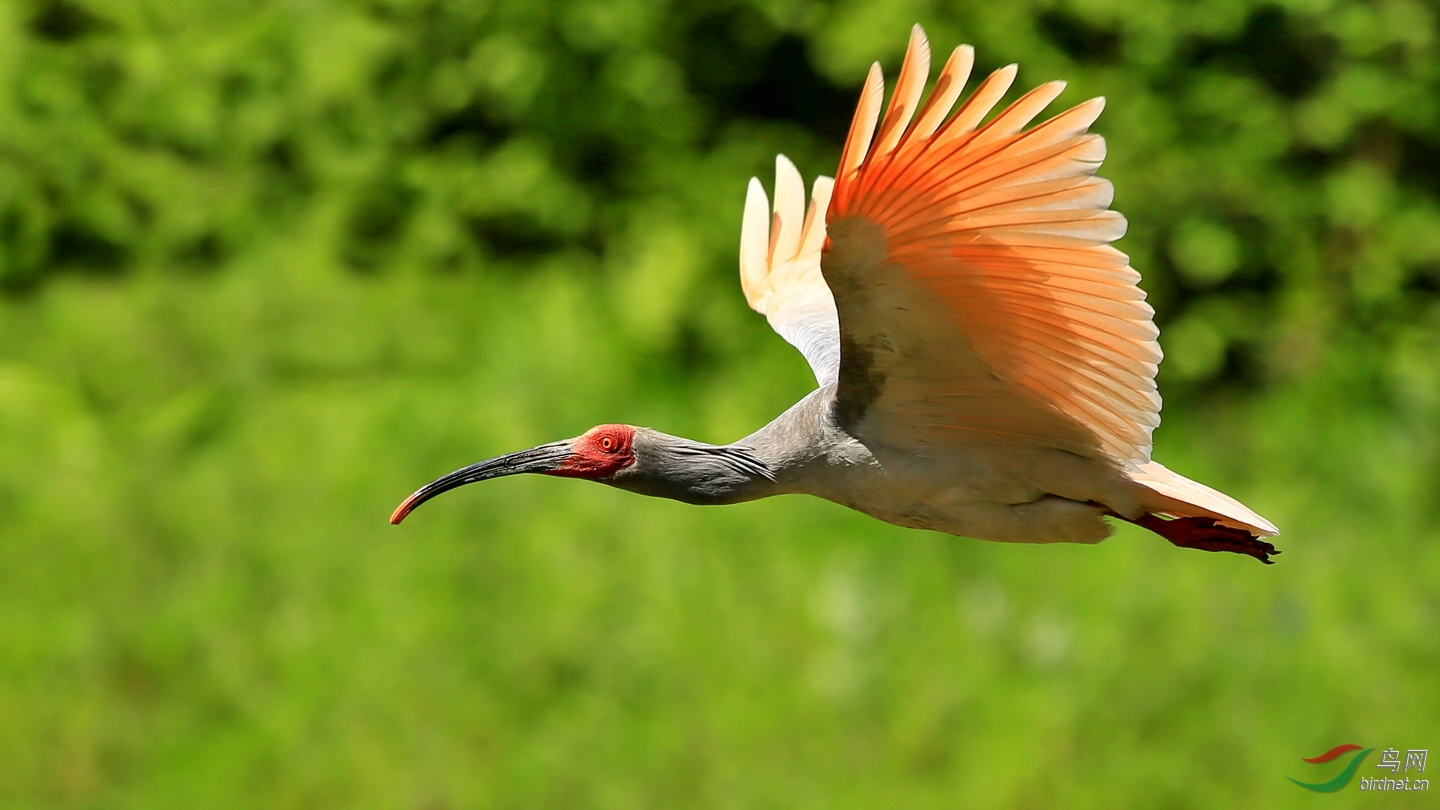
x=807 y=451
x=693 y=472
x=767 y=462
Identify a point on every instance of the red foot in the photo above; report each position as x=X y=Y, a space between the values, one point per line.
x=1207 y=535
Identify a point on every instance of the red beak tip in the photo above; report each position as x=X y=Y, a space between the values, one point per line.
x=399 y=514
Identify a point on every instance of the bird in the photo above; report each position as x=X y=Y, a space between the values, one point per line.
x=984 y=358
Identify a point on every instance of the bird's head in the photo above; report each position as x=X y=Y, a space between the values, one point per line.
x=597 y=454
x=633 y=458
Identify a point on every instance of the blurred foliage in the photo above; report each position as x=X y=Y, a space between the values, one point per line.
x=1278 y=162
x=267 y=266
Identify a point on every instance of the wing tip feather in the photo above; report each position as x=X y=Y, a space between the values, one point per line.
x=755 y=244
x=937 y=156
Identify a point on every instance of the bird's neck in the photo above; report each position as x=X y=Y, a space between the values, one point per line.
x=802 y=450
x=694 y=472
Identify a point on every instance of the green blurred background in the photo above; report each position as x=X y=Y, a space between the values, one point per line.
x=265 y=267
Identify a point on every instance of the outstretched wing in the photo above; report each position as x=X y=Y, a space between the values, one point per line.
x=780 y=266
x=978 y=297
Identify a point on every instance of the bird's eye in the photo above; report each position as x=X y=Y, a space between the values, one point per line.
x=607 y=443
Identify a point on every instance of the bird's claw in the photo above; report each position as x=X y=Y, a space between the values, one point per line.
x=1207 y=534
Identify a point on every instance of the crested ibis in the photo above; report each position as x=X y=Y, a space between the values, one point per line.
x=985 y=360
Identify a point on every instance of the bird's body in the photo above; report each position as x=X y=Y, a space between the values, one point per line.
x=990 y=492
x=985 y=360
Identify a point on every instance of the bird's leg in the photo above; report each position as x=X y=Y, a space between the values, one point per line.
x=1208 y=535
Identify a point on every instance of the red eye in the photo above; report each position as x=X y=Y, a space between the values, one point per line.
x=607 y=443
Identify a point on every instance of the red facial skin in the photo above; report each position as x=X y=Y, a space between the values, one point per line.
x=601 y=451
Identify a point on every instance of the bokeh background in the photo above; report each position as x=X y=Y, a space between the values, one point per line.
x=265 y=267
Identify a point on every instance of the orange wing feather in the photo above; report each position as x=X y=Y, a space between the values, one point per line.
x=1010 y=229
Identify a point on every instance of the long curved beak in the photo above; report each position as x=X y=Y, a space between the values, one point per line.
x=542 y=459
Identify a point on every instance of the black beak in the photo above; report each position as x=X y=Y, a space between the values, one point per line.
x=542 y=459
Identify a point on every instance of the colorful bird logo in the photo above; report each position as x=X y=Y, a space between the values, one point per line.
x=1341 y=779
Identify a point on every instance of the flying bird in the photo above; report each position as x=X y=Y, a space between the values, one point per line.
x=985 y=360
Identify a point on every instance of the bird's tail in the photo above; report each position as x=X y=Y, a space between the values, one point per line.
x=1168 y=493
